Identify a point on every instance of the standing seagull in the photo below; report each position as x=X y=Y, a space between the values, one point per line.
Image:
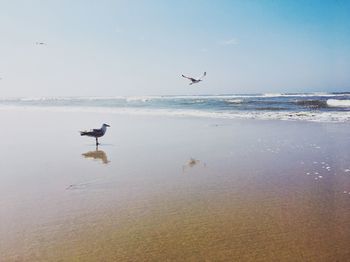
x=96 y=133
x=193 y=80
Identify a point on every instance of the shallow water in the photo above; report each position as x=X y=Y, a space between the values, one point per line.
x=172 y=189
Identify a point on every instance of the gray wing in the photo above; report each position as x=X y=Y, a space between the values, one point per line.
x=205 y=73
x=190 y=78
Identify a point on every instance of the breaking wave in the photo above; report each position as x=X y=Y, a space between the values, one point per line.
x=338 y=103
x=320 y=107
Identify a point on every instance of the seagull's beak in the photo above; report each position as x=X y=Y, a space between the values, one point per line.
x=108 y=125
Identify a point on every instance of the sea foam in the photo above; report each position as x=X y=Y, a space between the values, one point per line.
x=338 y=103
x=330 y=117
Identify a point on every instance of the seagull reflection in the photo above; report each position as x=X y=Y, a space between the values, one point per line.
x=190 y=164
x=97 y=155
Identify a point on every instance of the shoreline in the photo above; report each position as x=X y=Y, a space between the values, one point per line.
x=289 y=116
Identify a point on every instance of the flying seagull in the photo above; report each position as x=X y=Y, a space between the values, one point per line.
x=40 y=43
x=96 y=133
x=194 y=80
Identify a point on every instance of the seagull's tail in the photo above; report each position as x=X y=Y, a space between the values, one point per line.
x=83 y=133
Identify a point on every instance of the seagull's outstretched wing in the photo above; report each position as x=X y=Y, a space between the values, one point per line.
x=204 y=74
x=190 y=78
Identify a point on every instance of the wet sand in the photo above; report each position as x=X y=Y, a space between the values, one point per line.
x=177 y=189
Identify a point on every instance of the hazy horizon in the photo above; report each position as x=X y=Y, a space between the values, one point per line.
x=123 y=48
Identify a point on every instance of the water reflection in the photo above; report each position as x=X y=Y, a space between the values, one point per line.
x=97 y=155
x=191 y=163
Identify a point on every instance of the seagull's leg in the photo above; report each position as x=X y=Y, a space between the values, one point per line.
x=97 y=141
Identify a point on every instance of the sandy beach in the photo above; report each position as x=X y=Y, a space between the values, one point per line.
x=172 y=189
x=224 y=131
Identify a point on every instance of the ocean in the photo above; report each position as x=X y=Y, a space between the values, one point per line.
x=319 y=107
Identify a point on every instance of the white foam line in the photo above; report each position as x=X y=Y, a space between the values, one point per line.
x=290 y=116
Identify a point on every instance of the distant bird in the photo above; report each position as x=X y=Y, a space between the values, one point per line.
x=194 y=80
x=40 y=43
x=96 y=133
